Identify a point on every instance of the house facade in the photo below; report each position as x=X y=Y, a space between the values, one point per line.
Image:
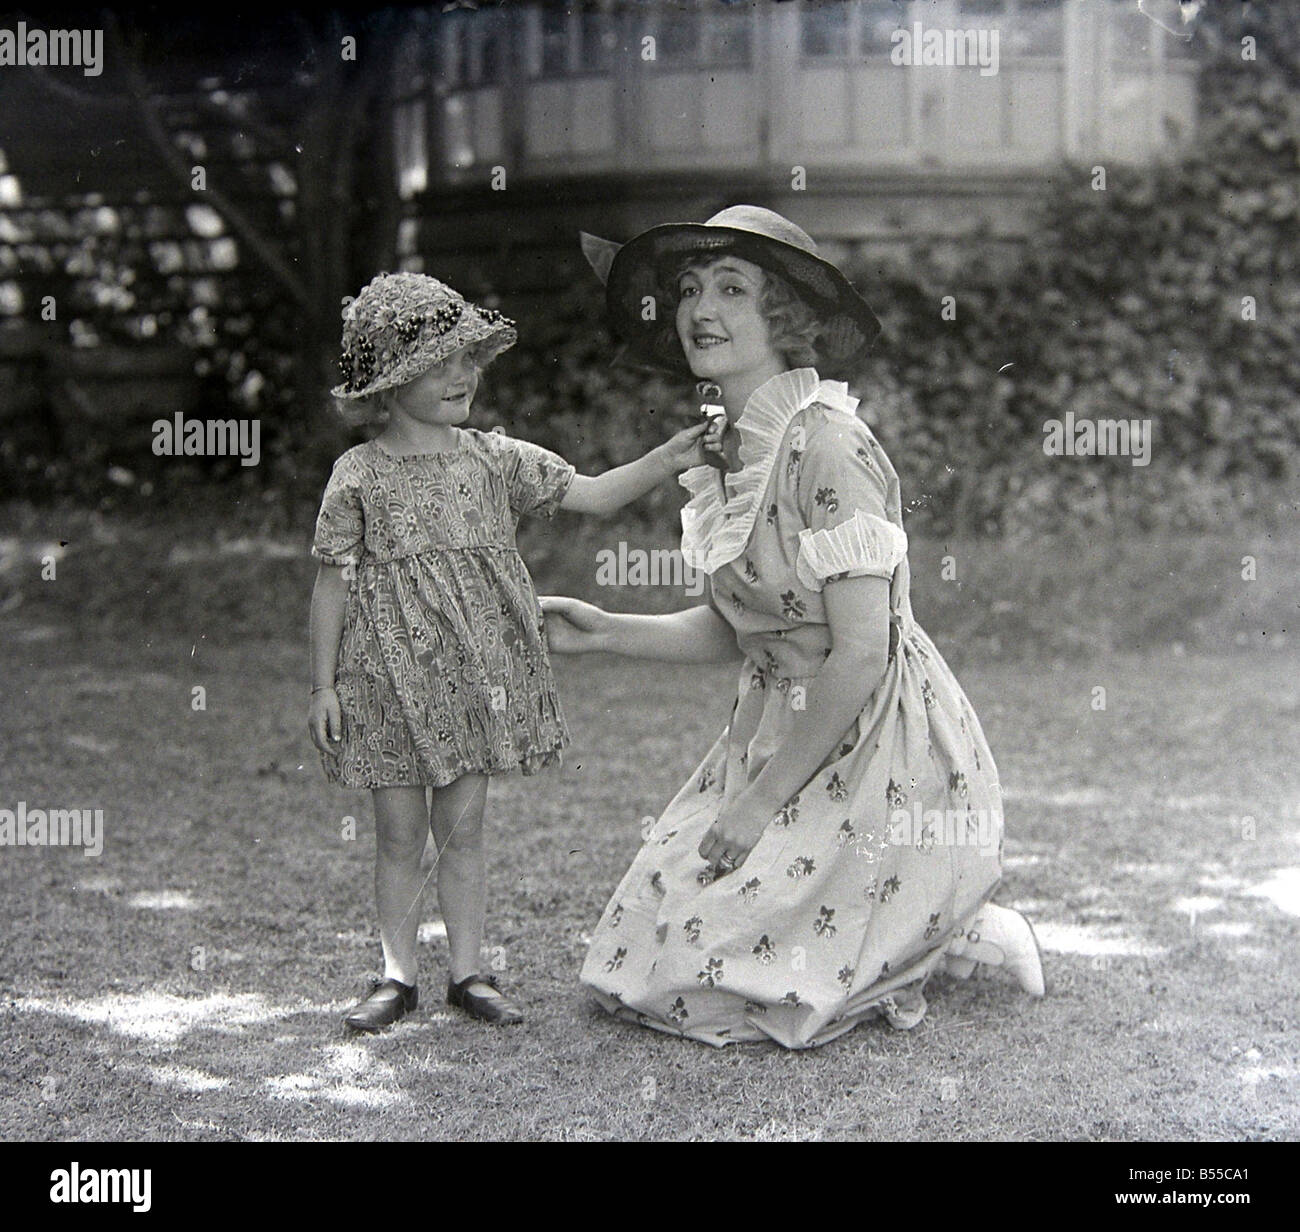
x=872 y=122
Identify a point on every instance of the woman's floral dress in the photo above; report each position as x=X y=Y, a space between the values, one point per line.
x=858 y=885
x=442 y=666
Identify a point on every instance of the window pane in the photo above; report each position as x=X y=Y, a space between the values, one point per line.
x=555 y=42
x=824 y=30
x=1132 y=34
x=412 y=151
x=728 y=39
x=458 y=141
x=492 y=48
x=598 y=39
x=1037 y=29
x=679 y=37
x=877 y=22
x=456 y=33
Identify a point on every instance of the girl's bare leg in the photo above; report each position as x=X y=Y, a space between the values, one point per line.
x=401 y=826
x=457 y=821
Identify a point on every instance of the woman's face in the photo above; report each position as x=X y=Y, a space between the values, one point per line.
x=441 y=394
x=721 y=330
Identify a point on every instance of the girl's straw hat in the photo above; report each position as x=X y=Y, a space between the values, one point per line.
x=402 y=324
x=645 y=265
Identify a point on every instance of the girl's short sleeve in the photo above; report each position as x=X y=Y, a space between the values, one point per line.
x=536 y=478
x=841 y=496
x=340 y=525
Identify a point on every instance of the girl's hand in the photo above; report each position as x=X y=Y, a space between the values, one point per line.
x=684 y=449
x=717 y=427
x=572 y=626
x=721 y=448
x=729 y=840
x=325 y=721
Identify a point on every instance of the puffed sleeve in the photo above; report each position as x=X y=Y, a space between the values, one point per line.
x=536 y=478
x=842 y=499
x=340 y=525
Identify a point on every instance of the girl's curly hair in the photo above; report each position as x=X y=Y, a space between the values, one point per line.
x=364 y=412
x=375 y=410
x=793 y=326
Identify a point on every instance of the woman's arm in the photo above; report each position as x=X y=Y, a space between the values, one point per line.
x=857 y=611
x=697 y=635
x=328 y=599
x=605 y=493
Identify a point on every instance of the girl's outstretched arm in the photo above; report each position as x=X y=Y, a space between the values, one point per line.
x=612 y=490
x=697 y=635
x=328 y=599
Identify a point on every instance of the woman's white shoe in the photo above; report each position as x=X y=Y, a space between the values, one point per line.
x=1002 y=938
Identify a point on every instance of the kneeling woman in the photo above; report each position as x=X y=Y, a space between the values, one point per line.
x=799 y=882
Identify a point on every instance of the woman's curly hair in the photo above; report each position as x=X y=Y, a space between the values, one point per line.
x=793 y=326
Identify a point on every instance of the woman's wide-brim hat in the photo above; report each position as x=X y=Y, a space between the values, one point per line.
x=646 y=266
x=402 y=324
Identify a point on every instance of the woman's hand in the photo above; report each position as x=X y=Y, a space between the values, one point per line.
x=572 y=626
x=729 y=840
x=325 y=721
x=685 y=448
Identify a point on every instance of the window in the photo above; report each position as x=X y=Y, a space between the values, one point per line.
x=492 y=35
x=474 y=48
x=1037 y=28
x=458 y=136
x=1025 y=27
x=456 y=36
x=411 y=147
x=877 y=21
x=1133 y=34
x=842 y=30
x=598 y=41
x=589 y=40
x=824 y=30
x=555 y=42
x=708 y=36
x=726 y=39
x=679 y=38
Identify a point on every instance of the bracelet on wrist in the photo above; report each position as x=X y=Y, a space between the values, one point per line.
x=319 y=687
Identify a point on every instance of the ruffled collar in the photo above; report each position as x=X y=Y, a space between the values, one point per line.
x=715 y=529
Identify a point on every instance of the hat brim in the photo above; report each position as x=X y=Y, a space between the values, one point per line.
x=470 y=330
x=638 y=271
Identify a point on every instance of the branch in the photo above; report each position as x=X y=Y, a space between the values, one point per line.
x=280 y=142
x=237 y=220
x=70 y=94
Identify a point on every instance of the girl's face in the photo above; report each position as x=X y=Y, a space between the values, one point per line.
x=441 y=394
x=721 y=330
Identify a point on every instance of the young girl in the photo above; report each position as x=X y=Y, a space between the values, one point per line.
x=429 y=663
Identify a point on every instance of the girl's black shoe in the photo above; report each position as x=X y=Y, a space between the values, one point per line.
x=388 y=1001
x=497 y=1010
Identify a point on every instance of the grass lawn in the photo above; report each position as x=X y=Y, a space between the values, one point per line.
x=188 y=983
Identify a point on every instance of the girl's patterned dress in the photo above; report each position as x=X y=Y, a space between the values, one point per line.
x=442 y=665
x=851 y=896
